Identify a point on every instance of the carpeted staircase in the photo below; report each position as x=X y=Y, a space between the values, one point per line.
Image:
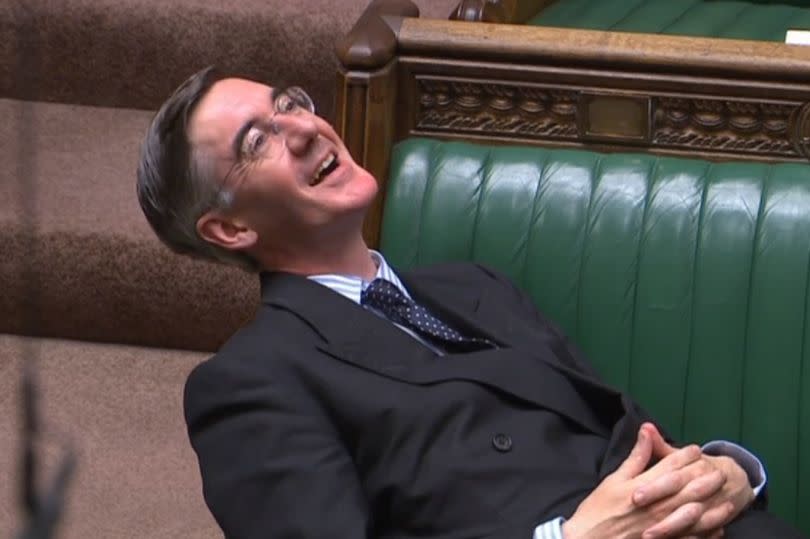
x=116 y=320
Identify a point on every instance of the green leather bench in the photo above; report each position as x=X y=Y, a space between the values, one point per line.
x=684 y=281
x=757 y=20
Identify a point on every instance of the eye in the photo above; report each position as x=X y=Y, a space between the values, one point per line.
x=254 y=141
x=285 y=103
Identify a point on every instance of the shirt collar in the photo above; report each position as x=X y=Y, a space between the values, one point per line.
x=352 y=286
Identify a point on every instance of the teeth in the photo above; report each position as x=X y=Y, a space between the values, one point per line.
x=324 y=165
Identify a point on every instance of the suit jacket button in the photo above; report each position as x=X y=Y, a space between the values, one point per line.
x=502 y=442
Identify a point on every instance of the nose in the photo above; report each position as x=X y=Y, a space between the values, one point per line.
x=298 y=131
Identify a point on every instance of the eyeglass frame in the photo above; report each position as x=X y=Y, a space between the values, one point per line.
x=223 y=197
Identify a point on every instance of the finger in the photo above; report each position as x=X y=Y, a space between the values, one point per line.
x=661 y=487
x=704 y=486
x=693 y=483
x=680 y=520
x=636 y=462
x=689 y=482
x=660 y=446
x=677 y=460
x=714 y=518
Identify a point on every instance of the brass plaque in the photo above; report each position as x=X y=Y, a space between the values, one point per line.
x=612 y=117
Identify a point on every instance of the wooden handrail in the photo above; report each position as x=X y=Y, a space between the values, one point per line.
x=572 y=47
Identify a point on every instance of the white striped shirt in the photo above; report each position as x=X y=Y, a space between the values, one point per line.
x=352 y=286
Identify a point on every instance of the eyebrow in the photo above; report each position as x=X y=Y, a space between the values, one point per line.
x=239 y=139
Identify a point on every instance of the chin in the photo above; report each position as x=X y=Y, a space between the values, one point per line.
x=369 y=195
x=354 y=192
x=371 y=182
x=363 y=186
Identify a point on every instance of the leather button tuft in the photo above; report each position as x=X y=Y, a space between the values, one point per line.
x=502 y=442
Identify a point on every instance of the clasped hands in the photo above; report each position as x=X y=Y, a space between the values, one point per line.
x=686 y=494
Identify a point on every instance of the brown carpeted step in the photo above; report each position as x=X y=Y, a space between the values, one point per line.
x=90 y=267
x=121 y=407
x=133 y=53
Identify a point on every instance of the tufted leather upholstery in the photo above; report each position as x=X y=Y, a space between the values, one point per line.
x=751 y=19
x=684 y=281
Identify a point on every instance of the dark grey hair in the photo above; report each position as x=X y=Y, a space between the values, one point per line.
x=176 y=182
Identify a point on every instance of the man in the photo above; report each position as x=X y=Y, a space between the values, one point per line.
x=364 y=403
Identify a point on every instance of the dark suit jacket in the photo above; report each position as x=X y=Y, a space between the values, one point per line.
x=321 y=420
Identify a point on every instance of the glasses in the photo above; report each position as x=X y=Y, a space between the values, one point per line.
x=255 y=137
x=252 y=140
x=291 y=99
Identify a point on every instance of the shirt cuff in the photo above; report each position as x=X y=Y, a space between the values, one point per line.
x=752 y=465
x=549 y=530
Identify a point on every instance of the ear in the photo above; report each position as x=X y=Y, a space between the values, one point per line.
x=227 y=233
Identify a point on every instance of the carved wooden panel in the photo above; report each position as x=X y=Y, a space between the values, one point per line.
x=496 y=109
x=724 y=125
x=800 y=131
x=540 y=112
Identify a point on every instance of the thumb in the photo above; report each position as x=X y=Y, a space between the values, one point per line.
x=636 y=462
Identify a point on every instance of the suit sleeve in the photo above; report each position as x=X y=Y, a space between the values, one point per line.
x=272 y=465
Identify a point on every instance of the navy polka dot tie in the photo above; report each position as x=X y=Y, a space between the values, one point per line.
x=386 y=298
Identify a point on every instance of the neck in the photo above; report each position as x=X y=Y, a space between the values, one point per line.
x=349 y=256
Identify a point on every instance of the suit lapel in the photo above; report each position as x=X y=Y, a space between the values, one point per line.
x=480 y=310
x=349 y=331
x=353 y=334
x=459 y=305
x=536 y=373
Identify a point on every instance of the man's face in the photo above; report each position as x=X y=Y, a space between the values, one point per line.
x=291 y=177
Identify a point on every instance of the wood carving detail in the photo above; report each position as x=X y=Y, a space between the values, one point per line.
x=801 y=131
x=499 y=109
x=724 y=126
x=720 y=126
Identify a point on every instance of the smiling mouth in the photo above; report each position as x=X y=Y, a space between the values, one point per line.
x=327 y=166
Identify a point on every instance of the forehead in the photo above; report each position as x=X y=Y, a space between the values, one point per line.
x=228 y=104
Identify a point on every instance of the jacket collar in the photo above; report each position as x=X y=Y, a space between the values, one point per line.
x=355 y=335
